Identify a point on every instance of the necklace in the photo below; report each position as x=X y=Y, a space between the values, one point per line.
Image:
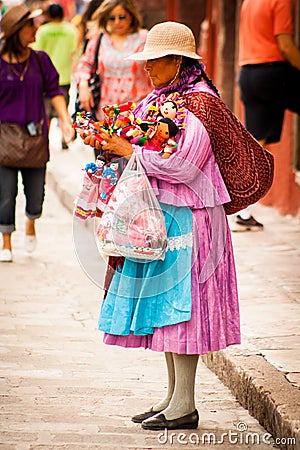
x=21 y=74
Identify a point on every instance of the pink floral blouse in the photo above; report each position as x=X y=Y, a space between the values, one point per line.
x=122 y=80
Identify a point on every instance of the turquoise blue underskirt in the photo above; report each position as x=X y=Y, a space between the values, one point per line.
x=146 y=295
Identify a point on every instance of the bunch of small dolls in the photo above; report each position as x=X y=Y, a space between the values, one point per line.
x=117 y=119
x=99 y=182
x=156 y=134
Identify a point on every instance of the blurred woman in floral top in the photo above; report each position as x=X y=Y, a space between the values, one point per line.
x=122 y=80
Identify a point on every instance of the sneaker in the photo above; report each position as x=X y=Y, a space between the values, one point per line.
x=248 y=224
x=30 y=243
x=5 y=255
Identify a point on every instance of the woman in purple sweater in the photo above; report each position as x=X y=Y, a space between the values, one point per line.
x=25 y=77
x=186 y=305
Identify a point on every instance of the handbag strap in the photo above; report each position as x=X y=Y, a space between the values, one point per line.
x=41 y=68
x=42 y=73
x=95 y=67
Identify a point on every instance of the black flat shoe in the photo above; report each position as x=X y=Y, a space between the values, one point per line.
x=139 y=418
x=188 y=422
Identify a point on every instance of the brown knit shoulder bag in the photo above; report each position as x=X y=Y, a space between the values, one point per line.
x=246 y=167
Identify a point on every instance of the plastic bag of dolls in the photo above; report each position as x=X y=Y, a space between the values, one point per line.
x=133 y=224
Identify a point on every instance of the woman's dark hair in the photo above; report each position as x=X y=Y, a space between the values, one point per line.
x=55 y=11
x=189 y=62
x=209 y=81
x=173 y=128
x=103 y=13
x=89 y=10
x=12 y=46
x=87 y=14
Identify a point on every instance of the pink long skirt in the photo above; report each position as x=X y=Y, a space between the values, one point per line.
x=215 y=320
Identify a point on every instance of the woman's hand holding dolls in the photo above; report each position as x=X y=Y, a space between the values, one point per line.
x=115 y=144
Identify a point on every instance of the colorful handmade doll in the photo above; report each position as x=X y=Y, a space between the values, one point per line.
x=84 y=123
x=172 y=106
x=161 y=139
x=157 y=136
x=86 y=202
x=168 y=109
x=110 y=176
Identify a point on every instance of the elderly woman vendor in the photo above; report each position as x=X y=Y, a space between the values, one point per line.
x=186 y=305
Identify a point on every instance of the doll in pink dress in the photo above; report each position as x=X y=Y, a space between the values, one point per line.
x=86 y=202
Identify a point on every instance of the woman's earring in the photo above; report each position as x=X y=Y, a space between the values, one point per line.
x=176 y=75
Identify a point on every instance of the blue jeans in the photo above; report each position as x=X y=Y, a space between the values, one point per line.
x=34 y=191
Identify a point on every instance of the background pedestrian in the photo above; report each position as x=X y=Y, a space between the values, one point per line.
x=269 y=78
x=122 y=80
x=85 y=25
x=58 y=38
x=25 y=78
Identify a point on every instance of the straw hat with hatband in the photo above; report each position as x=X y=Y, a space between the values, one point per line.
x=15 y=18
x=168 y=38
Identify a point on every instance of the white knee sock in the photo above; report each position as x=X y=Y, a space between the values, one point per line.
x=171 y=383
x=183 y=398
